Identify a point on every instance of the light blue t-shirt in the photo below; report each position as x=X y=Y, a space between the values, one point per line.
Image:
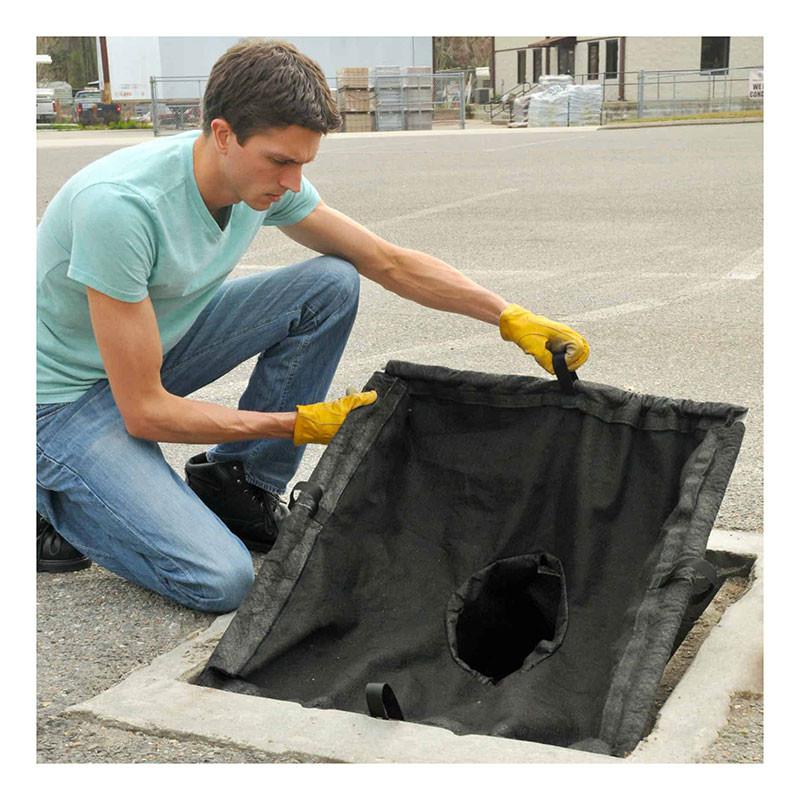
x=134 y=224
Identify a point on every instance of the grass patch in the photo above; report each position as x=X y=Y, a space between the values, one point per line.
x=756 y=113
x=122 y=125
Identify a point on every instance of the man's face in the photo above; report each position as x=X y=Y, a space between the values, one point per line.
x=269 y=163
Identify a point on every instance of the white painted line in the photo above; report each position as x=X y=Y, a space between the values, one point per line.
x=533 y=144
x=749 y=268
x=424 y=212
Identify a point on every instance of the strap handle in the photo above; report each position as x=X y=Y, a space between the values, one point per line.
x=566 y=377
x=702 y=574
x=381 y=702
x=307 y=495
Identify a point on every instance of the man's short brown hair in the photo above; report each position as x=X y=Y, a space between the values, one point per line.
x=259 y=84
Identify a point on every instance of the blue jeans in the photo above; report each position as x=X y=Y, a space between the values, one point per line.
x=116 y=499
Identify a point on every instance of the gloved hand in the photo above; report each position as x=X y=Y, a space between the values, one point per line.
x=541 y=337
x=319 y=422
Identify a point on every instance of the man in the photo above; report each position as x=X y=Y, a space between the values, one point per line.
x=134 y=314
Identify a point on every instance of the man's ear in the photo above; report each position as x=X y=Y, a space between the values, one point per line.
x=222 y=134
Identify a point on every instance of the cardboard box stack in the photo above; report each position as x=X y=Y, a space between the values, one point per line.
x=355 y=99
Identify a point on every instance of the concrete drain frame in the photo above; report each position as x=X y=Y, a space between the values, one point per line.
x=160 y=699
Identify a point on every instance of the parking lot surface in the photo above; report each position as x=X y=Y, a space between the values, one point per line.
x=648 y=241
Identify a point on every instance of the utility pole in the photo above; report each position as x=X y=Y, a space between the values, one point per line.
x=105 y=77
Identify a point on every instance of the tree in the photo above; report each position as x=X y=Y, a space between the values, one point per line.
x=74 y=59
x=461 y=52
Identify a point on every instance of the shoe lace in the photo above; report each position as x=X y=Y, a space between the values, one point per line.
x=267 y=501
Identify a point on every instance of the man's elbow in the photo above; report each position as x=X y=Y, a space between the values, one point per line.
x=139 y=426
x=141 y=419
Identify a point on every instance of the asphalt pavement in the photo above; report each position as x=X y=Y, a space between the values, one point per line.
x=648 y=241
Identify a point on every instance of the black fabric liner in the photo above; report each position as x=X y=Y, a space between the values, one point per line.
x=454 y=485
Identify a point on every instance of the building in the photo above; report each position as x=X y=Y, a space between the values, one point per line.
x=128 y=62
x=617 y=59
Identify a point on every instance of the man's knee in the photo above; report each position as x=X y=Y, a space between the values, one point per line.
x=342 y=280
x=226 y=585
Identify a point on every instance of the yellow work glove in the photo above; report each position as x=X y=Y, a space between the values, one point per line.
x=541 y=337
x=318 y=423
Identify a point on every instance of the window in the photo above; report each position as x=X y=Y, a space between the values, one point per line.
x=521 y=66
x=612 y=58
x=537 y=65
x=566 y=59
x=714 y=52
x=594 y=61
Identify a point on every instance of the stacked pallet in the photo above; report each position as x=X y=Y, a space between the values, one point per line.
x=388 y=98
x=417 y=98
x=355 y=99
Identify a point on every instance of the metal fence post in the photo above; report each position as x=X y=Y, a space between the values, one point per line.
x=463 y=99
x=153 y=106
x=640 y=99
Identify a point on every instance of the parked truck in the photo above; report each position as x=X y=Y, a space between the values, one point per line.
x=89 y=108
x=45 y=105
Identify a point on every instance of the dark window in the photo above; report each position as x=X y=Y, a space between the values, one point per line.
x=612 y=58
x=566 y=59
x=594 y=61
x=520 y=66
x=714 y=52
x=537 y=65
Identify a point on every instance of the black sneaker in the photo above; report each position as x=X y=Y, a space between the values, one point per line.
x=53 y=552
x=252 y=513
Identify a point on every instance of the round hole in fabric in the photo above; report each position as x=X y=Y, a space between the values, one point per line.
x=509 y=616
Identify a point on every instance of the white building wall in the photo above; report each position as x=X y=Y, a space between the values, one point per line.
x=747 y=51
x=683 y=52
x=134 y=59
x=505 y=60
x=641 y=53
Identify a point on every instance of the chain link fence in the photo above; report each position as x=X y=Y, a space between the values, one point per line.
x=381 y=99
x=176 y=103
x=675 y=93
x=661 y=93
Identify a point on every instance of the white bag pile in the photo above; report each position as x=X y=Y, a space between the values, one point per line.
x=562 y=103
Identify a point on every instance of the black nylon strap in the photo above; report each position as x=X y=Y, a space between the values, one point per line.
x=705 y=575
x=566 y=377
x=381 y=702
x=309 y=493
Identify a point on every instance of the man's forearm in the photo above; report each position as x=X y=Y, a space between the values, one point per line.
x=170 y=418
x=431 y=282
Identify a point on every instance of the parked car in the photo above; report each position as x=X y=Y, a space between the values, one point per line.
x=89 y=108
x=45 y=105
x=143 y=112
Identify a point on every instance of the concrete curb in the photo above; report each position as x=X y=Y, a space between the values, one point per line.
x=678 y=123
x=158 y=699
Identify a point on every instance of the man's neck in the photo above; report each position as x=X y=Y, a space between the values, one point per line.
x=208 y=178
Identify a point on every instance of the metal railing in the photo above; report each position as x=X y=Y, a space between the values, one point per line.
x=683 y=92
x=506 y=102
x=410 y=100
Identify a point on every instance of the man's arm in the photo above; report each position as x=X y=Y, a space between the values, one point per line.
x=409 y=273
x=429 y=281
x=129 y=343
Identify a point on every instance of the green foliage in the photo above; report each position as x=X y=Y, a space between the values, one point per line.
x=461 y=52
x=74 y=59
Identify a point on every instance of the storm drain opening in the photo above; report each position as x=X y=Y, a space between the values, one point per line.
x=509 y=616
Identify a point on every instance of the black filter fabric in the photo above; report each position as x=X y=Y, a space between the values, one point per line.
x=510 y=558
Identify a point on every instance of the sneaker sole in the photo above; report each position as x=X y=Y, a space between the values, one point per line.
x=73 y=565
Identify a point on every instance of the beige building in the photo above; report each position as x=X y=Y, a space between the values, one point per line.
x=617 y=60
